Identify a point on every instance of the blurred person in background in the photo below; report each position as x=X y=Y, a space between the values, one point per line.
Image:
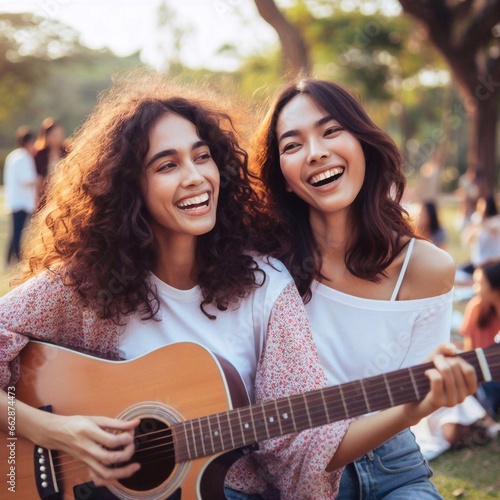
x=482 y=235
x=481 y=325
x=470 y=422
x=20 y=180
x=429 y=226
x=49 y=147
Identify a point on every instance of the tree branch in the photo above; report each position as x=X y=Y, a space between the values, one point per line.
x=461 y=9
x=431 y=12
x=436 y=16
x=478 y=34
x=294 y=50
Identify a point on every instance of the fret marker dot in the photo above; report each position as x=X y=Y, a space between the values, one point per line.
x=285 y=415
x=216 y=433
x=246 y=426
x=271 y=419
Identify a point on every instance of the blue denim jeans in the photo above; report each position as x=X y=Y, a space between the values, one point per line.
x=19 y=219
x=395 y=470
x=488 y=395
x=238 y=495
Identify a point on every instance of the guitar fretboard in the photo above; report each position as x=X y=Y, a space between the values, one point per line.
x=252 y=424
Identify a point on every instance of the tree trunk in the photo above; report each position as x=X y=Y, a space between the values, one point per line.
x=294 y=51
x=463 y=32
x=482 y=142
x=479 y=90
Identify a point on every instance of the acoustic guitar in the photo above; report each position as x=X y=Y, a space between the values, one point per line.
x=193 y=409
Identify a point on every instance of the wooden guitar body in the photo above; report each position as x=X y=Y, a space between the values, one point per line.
x=193 y=408
x=178 y=382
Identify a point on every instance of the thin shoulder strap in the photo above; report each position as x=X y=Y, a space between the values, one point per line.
x=403 y=269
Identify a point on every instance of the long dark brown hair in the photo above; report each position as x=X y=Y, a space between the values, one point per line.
x=488 y=312
x=93 y=228
x=380 y=219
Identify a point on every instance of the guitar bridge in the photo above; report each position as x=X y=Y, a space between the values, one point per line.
x=46 y=463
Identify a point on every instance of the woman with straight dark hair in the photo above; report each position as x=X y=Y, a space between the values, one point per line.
x=428 y=225
x=378 y=298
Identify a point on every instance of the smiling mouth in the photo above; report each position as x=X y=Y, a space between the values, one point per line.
x=194 y=202
x=323 y=178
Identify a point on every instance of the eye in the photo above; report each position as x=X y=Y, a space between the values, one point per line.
x=333 y=130
x=203 y=157
x=290 y=147
x=169 y=165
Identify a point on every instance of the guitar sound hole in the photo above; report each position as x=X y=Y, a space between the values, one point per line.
x=154 y=450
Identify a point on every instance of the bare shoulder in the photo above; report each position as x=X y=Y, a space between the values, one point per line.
x=431 y=272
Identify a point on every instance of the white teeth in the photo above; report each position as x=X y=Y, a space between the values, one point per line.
x=195 y=200
x=325 y=175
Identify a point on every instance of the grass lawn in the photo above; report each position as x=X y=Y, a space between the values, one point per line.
x=471 y=473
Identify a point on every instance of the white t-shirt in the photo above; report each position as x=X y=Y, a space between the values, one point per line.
x=485 y=245
x=20 y=181
x=238 y=334
x=359 y=338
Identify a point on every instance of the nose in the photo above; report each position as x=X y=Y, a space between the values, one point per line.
x=317 y=152
x=192 y=176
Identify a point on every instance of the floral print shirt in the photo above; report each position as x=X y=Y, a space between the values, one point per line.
x=289 y=467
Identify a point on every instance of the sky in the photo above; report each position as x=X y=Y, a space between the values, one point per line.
x=127 y=26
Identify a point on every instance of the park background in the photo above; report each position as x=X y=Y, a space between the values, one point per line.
x=428 y=73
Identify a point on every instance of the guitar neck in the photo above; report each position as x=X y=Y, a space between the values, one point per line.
x=252 y=424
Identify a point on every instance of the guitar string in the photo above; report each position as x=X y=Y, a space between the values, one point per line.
x=138 y=450
x=150 y=460
x=263 y=410
x=354 y=408
x=346 y=393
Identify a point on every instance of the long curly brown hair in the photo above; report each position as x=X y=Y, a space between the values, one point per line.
x=92 y=228
x=381 y=221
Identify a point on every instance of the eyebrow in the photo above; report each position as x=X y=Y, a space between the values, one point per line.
x=169 y=152
x=294 y=132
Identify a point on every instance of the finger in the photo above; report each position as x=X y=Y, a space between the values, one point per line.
x=460 y=381
x=445 y=368
x=446 y=349
x=467 y=375
x=112 y=457
x=436 y=394
x=111 y=440
x=115 y=423
x=104 y=476
x=470 y=375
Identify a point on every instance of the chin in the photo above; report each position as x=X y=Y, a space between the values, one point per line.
x=203 y=230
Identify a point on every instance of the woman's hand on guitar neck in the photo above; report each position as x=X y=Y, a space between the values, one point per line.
x=451 y=381
x=99 y=442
